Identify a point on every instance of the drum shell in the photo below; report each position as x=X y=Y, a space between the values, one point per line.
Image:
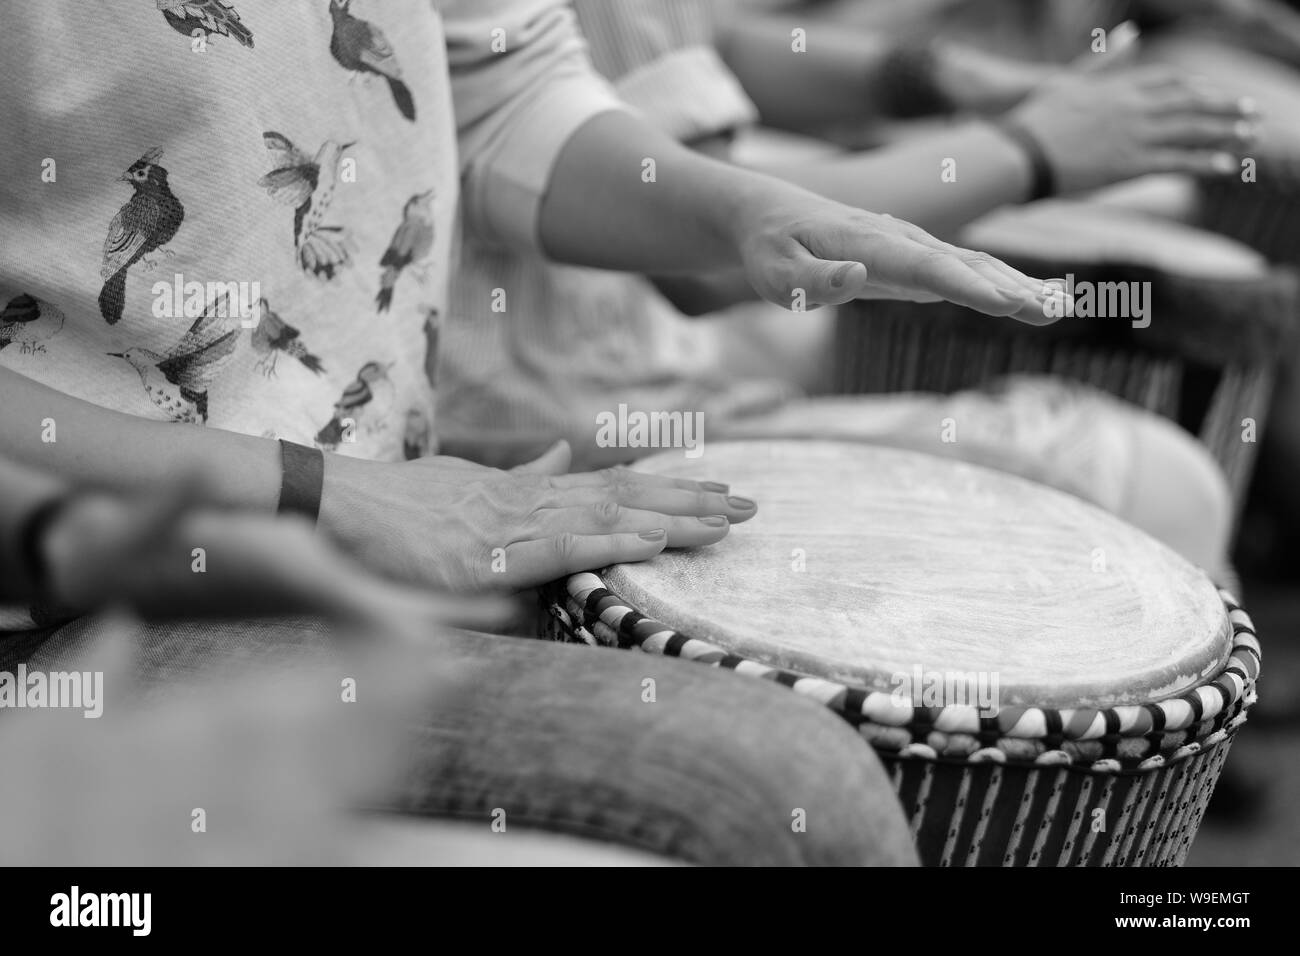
x=984 y=810
x=990 y=814
x=1260 y=214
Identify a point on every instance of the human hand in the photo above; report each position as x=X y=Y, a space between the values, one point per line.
x=177 y=557
x=1102 y=128
x=800 y=250
x=457 y=526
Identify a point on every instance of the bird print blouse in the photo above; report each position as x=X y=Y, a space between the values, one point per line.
x=241 y=214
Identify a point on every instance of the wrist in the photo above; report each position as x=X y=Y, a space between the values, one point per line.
x=301 y=480
x=343 y=495
x=1042 y=177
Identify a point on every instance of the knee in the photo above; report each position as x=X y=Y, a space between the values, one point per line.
x=773 y=778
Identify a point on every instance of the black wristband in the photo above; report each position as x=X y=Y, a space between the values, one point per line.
x=909 y=84
x=31 y=541
x=303 y=476
x=1042 y=179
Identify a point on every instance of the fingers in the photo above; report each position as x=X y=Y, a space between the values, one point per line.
x=683 y=531
x=824 y=282
x=531 y=563
x=950 y=275
x=1193 y=162
x=1197 y=99
x=554 y=461
x=629 y=489
x=1203 y=133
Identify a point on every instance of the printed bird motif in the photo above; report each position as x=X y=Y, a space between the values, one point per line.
x=210 y=16
x=361 y=47
x=29 y=322
x=370 y=396
x=432 y=326
x=412 y=243
x=418 y=438
x=307 y=185
x=148 y=221
x=274 y=336
x=178 y=382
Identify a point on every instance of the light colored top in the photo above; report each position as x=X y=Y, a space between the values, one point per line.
x=866 y=563
x=311 y=152
x=310 y=158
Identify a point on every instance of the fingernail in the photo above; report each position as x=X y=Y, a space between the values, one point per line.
x=1248 y=105
x=841 y=274
x=1223 y=162
x=715 y=521
x=715 y=486
x=1244 y=129
x=652 y=535
x=742 y=504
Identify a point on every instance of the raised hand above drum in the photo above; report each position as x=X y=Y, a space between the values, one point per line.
x=801 y=251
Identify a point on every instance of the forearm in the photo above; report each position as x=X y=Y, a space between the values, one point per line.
x=85 y=445
x=906 y=180
x=903 y=180
x=600 y=210
x=831 y=81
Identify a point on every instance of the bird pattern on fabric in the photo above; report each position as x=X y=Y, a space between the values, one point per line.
x=412 y=243
x=178 y=382
x=211 y=17
x=274 y=337
x=161 y=149
x=307 y=186
x=149 y=220
x=369 y=397
x=28 y=322
x=361 y=47
x=418 y=439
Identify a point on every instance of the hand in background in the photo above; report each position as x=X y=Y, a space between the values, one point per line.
x=1101 y=128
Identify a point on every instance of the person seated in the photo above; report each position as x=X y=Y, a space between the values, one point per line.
x=534 y=351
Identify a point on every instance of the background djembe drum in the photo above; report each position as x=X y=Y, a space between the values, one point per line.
x=1121 y=673
x=1220 y=316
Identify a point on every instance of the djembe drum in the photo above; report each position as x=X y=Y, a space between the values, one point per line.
x=1046 y=684
x=1218 y=315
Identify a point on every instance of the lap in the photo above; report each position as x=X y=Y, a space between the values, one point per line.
x=658 y=754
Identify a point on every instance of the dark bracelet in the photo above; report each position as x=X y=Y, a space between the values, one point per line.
x=907 y=84
x=1042 y=179
x=303 y=476
x=31 y=541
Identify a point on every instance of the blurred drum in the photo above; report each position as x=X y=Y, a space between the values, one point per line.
x=1047 y=685
x=1177 y=320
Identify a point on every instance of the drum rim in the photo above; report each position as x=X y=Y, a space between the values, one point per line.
x=1108 y=740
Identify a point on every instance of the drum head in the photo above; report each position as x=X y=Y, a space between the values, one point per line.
x=1093 y=233
x=865 y=563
